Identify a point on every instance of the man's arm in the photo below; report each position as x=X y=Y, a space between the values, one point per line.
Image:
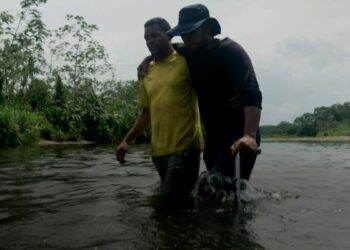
x=141 y=124
x=243 y=77
x=252 y=119
x=251 y=124
x=142 y=69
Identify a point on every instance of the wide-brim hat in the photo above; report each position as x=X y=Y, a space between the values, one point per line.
x=192 y=17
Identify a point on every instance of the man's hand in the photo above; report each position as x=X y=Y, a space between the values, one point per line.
x=120 y=152
x=245 y=143
x=142 y=69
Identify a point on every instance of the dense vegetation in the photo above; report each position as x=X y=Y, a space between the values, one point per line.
x=58 y=84
x=324 y=121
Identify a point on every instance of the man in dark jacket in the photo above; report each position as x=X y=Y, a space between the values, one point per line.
x=227 y=90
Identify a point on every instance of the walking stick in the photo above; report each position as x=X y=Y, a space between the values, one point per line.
x=238 y=175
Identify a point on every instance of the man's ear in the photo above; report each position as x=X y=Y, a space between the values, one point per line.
x=206 y=28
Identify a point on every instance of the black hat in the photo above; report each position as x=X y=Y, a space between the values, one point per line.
x=192 y=17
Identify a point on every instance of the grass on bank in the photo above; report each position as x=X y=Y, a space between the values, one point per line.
x=23 y=127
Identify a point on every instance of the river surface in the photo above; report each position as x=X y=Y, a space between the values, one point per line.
x=78 y=197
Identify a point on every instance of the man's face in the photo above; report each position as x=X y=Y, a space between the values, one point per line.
x=195 y=40
x=156 y=40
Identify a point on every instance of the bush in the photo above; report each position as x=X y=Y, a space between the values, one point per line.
x=9 y=131
x=85 y=115
x=19 y=127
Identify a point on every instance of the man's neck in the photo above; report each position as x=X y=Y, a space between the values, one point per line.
x=164 y=54
x=209 y=43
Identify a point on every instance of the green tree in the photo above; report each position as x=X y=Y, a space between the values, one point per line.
x=306 y=125
x=80 y=58
x=38 y=95
x=22 y=48
x=59 y=96
x=287 y=128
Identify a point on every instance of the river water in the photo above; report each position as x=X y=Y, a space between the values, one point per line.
x=78 y=197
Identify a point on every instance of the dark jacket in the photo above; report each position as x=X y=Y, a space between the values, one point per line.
x=225 y=82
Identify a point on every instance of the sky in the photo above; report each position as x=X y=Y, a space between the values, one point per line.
x=300 y=49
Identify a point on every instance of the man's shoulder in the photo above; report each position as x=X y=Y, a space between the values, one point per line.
x=180 y=48
x=227 y=44
x=176 y=60
x=232 y=50
x=174 y=63
x=179 y=57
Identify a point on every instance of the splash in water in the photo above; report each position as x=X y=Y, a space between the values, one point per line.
x=222 y=188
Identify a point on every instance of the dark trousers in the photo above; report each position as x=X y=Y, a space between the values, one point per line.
x=178 y=171
x=217 y=154
x=226 y=164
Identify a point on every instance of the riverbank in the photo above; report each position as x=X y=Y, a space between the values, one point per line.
x=309 y=139
x=274 y=139
x=47 y=142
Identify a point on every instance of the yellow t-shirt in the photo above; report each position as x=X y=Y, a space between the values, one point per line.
x=167 y=91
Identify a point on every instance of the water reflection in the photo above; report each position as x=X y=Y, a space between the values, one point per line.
x=208 y=226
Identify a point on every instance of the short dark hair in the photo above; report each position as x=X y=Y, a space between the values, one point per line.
x=161 y=22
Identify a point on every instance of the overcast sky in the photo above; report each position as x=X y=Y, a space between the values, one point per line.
x=300 y=49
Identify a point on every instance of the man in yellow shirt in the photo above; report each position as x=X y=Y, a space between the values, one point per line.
x=168 y=103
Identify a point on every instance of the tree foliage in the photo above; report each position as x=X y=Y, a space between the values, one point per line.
x=21 y=49
x=80 y=59
x=324 y=121
x=72 y=95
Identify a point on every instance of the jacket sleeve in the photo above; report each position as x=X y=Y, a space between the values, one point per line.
x=241 y=74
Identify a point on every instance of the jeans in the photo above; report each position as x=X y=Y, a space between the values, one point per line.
x=178 y=171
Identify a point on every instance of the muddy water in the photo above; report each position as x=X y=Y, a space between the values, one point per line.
x=78 y=197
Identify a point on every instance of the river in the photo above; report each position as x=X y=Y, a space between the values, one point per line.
x=78 y=197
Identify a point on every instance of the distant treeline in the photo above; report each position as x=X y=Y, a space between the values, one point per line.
x=324 y=121
x=59 y=84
